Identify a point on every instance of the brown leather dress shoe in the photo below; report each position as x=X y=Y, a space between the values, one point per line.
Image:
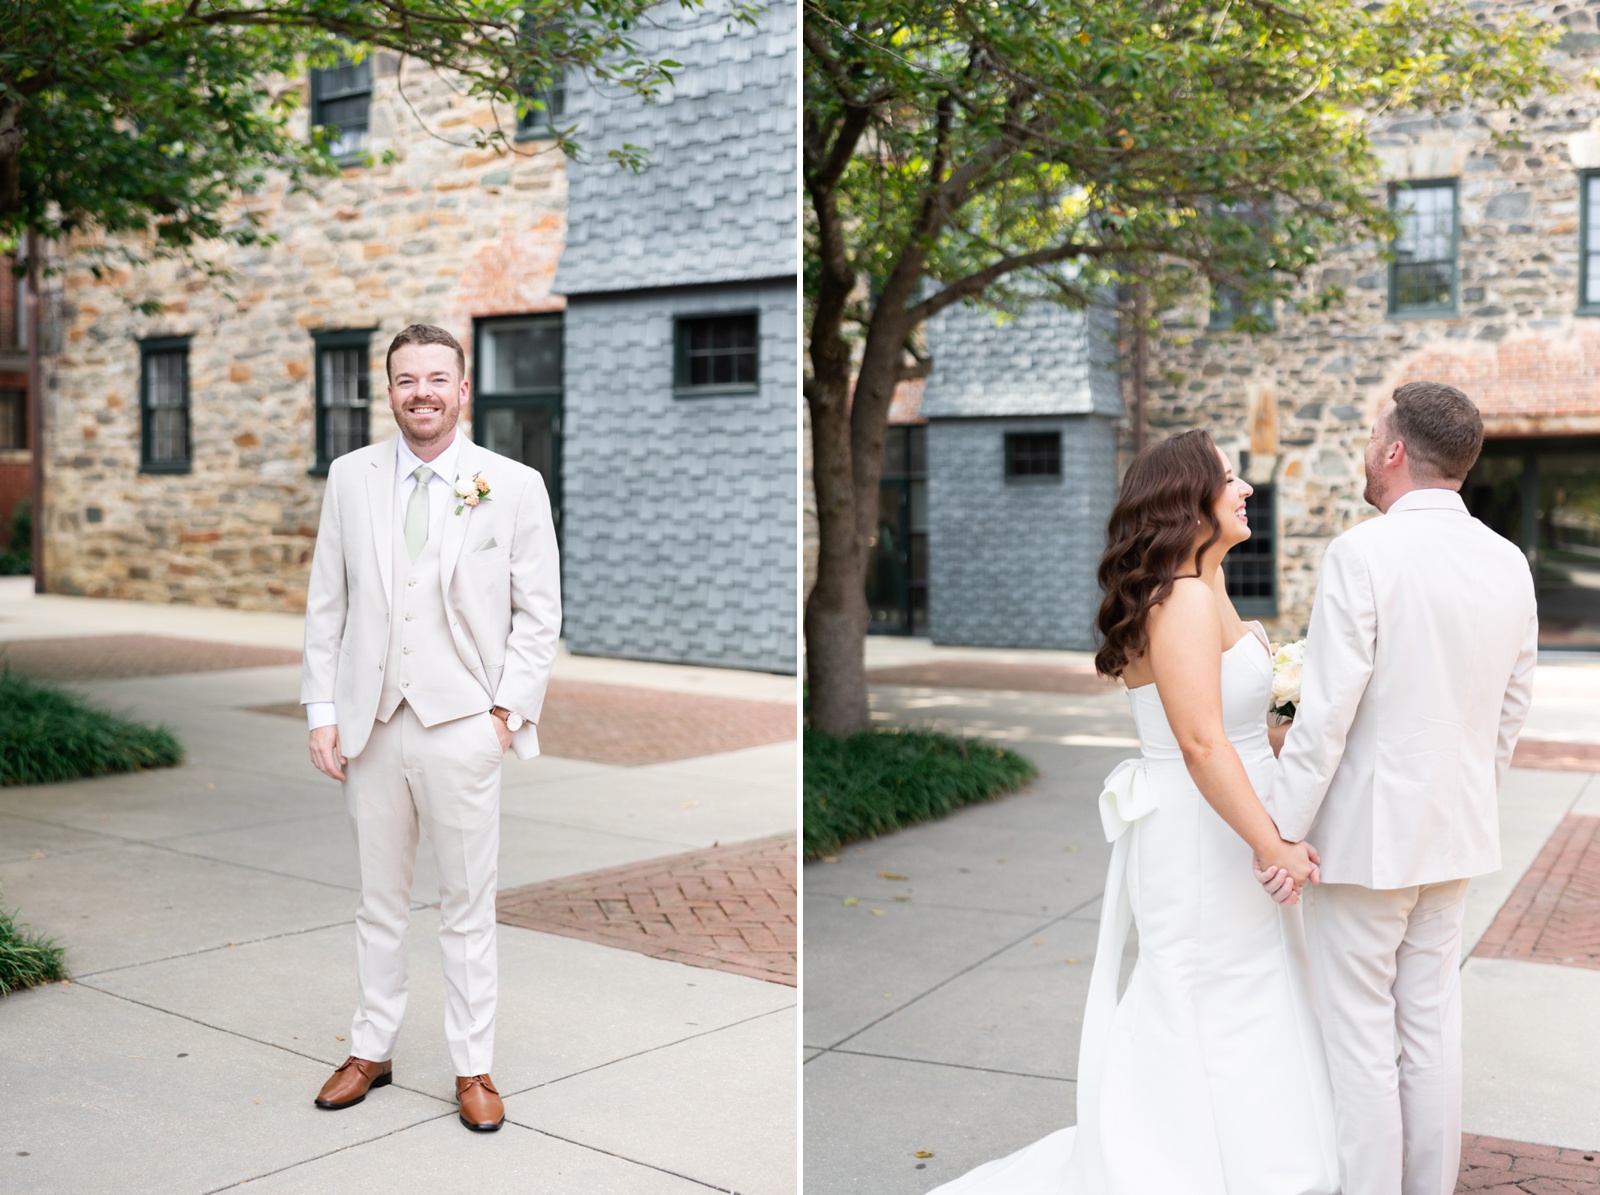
x=350 y=1083
x=481 y=1109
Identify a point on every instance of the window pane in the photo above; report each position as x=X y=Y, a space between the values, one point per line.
x=718 y=350
x=13 y=418
x=523 y=356
x=1251 y=568
x=346 y=424
x=1033 y=454
x=525 y=434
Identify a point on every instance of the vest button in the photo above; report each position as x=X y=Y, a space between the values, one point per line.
x=407 y=650
x=405 y=684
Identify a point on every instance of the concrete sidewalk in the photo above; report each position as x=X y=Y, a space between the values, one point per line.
x=207 y=913
x=947 y=965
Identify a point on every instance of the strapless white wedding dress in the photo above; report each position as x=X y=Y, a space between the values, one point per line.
x=1208 y=1076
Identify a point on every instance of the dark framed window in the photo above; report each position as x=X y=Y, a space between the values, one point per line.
x=537 y=122
x=518 y=368
x=341 y=99
x=897 y=570
x=1422 y=276
x=717 y=354
x=13 y=417
x=164 y=405
x=344 y=394
x=1033 y=456
x=1228 y=306
x=1251 y=568
x=1588 y=244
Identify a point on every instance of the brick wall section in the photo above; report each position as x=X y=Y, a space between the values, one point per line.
x=1303 y=398
x=440 y=236
x=1012 y=564
x=679 y=512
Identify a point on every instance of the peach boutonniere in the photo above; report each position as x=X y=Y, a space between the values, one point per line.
x=471 y=491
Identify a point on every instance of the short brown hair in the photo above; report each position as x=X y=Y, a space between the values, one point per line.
x=424 y=334
x=1442 y=430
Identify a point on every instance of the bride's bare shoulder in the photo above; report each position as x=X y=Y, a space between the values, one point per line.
x=1191 y=608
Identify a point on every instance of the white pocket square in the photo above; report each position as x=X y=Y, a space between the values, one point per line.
x=486 y=545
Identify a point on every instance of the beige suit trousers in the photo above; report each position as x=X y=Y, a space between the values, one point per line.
x=1388 y=962
x=446 y=778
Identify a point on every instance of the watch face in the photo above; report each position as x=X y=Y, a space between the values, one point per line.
x=514 y=723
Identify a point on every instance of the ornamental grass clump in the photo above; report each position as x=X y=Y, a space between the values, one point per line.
x=26 y=958
x=48 y=735
x=876 y=781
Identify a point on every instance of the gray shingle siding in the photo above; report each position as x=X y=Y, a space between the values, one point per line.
x=679 y=522
x=1048 y=360
x=718 y=202
x=1012 y=564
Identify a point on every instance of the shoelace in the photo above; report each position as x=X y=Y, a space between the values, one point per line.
x=470 y=1081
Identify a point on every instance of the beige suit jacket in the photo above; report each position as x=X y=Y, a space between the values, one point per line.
x=1417 y=679
x=498 y=567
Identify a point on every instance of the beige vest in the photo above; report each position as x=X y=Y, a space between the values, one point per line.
x=423 y=668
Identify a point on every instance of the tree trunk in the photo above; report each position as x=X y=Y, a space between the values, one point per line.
x=10 y=155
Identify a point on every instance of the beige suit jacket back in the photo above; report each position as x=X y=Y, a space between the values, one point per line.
x=1417 y=679
x=498 y=570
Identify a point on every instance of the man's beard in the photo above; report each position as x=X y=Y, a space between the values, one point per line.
x=1374 y=491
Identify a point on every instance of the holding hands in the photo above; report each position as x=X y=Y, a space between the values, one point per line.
x=1287 y=869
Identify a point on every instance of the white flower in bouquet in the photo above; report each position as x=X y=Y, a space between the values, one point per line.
x=1287 y=661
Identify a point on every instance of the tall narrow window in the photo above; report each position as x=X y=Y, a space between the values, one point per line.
x=516 y=395
x=1033 y=456
x=164 y=404
x=1228 y=305
x=717 y=354
x=552 y=105
x=341 y=98
x=1251 y=568
x=1422 y=277
x=13 y=417
x=343 y=394
x=1589 y=243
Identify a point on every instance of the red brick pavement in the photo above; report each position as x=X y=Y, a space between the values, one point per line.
x=1553 y=916
x=1556 y=757
x=1491 y=1166
x=729 y=908
x=993 y=674
x=116 y=657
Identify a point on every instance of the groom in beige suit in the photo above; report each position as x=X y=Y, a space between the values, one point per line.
x=1417 y=679
x=431 y=624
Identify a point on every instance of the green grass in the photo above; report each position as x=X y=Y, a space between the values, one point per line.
x=26 y=958
x=48 y=735
x=878 y=780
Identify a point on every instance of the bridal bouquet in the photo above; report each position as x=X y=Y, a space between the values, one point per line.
x=1287 y=659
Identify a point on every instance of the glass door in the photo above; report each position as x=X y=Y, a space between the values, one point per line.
x=897 y=573
x=517 y=394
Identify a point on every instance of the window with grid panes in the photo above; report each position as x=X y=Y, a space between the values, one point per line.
x=341 y=98
x=537 y=122
x=13 y=417
x=1227 y=305
x=164 y=404
x=1422 y=276
x=344 y=403
x=1033 y=455
x=1588 y=244
x=1251 y=568
x=717 y=354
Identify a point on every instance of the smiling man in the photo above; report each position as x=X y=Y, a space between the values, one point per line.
x=431 y=624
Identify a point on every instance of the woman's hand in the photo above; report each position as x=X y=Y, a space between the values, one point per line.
x=1277 y=734
x=1286 y=869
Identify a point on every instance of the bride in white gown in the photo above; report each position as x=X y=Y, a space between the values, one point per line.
x=1208 y=1076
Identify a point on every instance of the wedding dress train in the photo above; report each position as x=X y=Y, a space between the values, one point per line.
x=1208 y=1076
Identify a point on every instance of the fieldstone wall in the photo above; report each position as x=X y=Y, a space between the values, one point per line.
x=442 y=234
x=679 y=513
x=1012 y=563
x=1302 y=400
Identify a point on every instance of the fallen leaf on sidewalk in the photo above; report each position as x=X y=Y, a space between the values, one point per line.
x=338 y=1037
x=689 y=805
x=830 y=858
x=902 y=899
x=923 y=1153
x=851 y=901
x=877 y=912
x=40 y=855
x=889 y=875
x=1072 y=960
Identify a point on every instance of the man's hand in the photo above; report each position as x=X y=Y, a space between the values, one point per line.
x=502 y=732
x=325 y=751
x=1280 y=882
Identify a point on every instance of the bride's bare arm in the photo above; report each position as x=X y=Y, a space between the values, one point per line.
x=1185 y=655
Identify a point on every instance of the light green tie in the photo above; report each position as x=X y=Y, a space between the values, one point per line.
x=417 y=512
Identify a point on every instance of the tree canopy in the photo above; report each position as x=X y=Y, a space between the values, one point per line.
x=148 y=116
x=1003 y=152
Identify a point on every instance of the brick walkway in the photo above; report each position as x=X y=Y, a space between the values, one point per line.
x=1490 y=1166
x=1553 y=916
x=730 y=908
x=1556 y=757
x=116 y=657
x=992 y=674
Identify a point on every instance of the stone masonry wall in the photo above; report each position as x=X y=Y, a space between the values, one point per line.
x=1302 y=400
x=984 y=588
x=441 y=235
x=679 y=513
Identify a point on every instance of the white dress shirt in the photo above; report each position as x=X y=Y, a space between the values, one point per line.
x=441 y=486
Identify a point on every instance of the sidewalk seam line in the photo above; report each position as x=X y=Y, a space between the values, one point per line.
x=965 y=1066
x=291 y=933
x=621 y=1157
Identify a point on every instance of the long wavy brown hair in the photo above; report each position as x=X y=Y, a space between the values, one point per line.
x=1167 y=496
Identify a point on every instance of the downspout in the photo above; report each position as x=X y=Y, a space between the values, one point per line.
x=35 y=413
